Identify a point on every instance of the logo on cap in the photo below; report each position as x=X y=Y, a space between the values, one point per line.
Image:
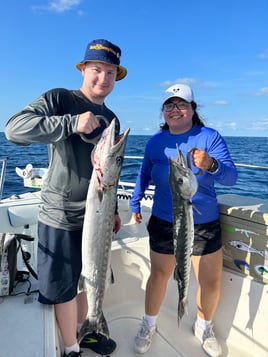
x=175 y=90
x=101 y=47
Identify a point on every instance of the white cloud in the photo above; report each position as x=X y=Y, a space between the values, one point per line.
x=190 y=81
x=220 y=125
x=264 y=54
x=58 y=6
x=263 y=92
x=220 y=102
x=63 y=5
x=231 y=125
x=260 y=124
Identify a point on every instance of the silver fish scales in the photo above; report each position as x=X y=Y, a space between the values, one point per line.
x=107 y=160
x=183 y=186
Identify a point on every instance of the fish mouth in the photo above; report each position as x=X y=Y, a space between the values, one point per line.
x=183 y=171
x=120 y=139
x=180 y=163
x=108 y=155
x=184 y=177
x=110 y=141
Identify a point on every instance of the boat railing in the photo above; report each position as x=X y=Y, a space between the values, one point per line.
x=125 y=186
x=258 y=167
x=2 y=177
x=247 y=166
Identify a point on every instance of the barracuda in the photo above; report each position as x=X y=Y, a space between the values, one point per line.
x=107 y=159
x=183 y=186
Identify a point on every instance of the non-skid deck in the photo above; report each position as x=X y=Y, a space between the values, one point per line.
x=240 y=329
x=27 y=327
x=124 y=328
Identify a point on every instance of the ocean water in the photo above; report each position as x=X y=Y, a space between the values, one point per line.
x=244 y=150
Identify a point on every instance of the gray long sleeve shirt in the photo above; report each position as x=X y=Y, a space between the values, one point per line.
x=52 y=119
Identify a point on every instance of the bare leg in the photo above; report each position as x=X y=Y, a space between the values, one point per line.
x=162 y=266
x=66 y=315
x=81 y=300
x=208 y=269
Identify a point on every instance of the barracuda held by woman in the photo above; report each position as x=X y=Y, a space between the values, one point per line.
x=183 y=185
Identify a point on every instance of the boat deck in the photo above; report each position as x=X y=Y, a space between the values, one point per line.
x=29 y=329
x=124 y=308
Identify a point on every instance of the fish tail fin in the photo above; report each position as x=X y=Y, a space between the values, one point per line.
x=94 y=325
x=85 y=329
x=182 y=308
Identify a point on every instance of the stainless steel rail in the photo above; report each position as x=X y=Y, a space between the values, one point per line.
x=258 y=167
x=2 y=177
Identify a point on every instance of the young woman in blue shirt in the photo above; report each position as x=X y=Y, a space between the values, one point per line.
x=183 y=127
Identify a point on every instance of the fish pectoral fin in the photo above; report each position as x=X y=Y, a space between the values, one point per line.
x=100 y=195
x=196 y=209
x=103 y=325
x=111 y=275
x=176 y=274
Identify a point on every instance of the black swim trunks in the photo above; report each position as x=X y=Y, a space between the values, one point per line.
x=207 y=237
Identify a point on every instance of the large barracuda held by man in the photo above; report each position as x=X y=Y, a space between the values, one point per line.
x=107 y=160
x=183 y=186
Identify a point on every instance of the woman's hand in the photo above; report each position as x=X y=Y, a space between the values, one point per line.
x=201 y=159
x=137 y=217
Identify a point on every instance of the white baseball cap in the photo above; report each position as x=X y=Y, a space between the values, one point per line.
x=182 y=91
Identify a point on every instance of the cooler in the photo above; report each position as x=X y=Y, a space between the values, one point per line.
x=244 y=223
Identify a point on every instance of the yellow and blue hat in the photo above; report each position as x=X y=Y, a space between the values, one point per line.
x=106 y=52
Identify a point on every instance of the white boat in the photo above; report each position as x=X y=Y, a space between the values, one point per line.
x=28 y=328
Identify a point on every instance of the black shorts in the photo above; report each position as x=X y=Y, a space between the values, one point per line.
x=207 y=237
x=59 y=264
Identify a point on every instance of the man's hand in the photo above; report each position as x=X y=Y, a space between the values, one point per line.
x=117 y=223
x=87 y=123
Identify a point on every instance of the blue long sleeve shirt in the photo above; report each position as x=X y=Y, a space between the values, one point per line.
x=155 y=170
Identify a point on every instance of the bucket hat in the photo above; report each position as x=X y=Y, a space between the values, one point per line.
x=106 y=52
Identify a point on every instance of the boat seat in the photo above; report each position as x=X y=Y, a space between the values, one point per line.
x=21 y=215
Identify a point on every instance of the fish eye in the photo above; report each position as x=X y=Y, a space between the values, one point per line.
x=119 y=160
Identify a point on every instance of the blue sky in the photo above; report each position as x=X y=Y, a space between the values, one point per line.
x=220 y=48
